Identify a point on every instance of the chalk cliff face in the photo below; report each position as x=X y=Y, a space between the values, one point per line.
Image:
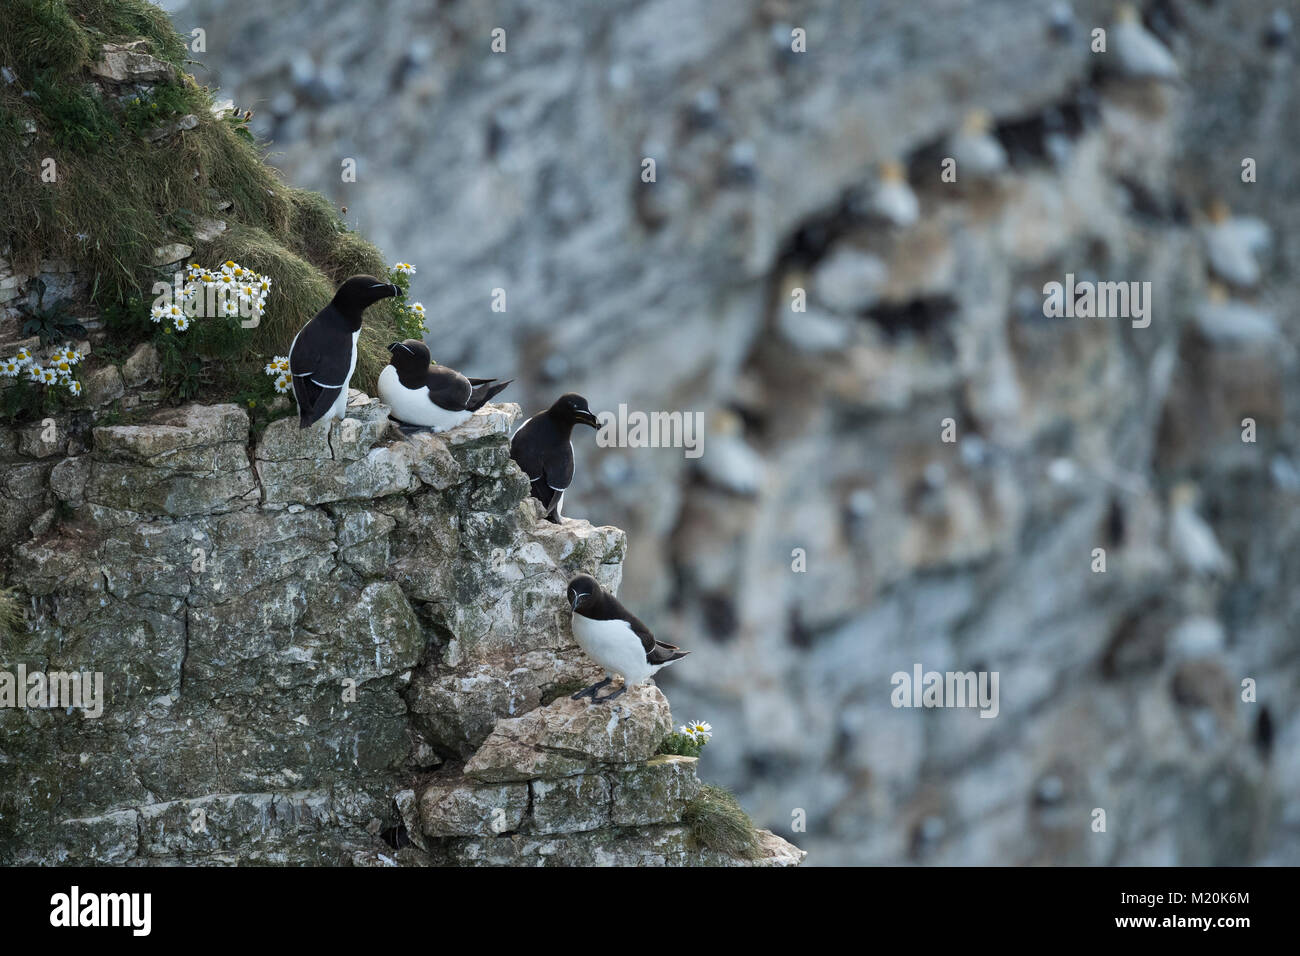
x=521 y=171
x=338 y=646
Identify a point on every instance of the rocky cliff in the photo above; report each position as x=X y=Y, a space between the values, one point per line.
x=341 y=646
x=1071 y=434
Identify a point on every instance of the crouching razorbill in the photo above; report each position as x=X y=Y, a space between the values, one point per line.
x=615 y=639
x=323 y=355
x=420 y=393
x=541 y=447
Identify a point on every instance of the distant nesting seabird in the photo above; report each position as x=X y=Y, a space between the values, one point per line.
x=731 y=463
x=615 y=639
x=1135 y=52
x=323 y=354
x=893 y=199
x=541 y=447
x=431 y=396
x=977 y=151
x=1233 y=244
x=1223 y=320
x=1191 y=539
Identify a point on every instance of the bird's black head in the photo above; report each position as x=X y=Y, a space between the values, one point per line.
x=571 y=409
x=410 y=358
x=360 y=292
x=583 y=591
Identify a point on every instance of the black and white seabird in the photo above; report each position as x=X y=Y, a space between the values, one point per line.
x=431 y=396
x=615 y=639
x=323 y=355
x=541 y=447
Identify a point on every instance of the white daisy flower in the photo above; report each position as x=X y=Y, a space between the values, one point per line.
x=49 y=376
x=10 y=367
x=173 y=311
x=194 y=270
x=35 y=373
x=418 y=308
x=74 y=387
x=264 y=284
x=405 y=268
x=182 y=322
x=227 y=267
x=700 y=730
x=686 y=731
x=283 y=383
x=23 y=357
x=158 y=312
x=230 y=308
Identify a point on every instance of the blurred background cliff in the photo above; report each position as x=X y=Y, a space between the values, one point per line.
x=779 y=170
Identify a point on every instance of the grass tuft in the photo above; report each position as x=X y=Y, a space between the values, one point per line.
x=718 y=822
x=42 y=35
x=118 y=196
x=11 y=612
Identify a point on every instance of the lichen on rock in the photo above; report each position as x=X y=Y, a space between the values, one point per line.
x=332 y=645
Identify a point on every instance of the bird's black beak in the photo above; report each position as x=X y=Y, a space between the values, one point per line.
x=391 y=346
x=573 y=599
x=587 y=418
x=395 y=291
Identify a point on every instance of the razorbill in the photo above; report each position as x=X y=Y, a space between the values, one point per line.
x=541 y=447
x=418 y=392
x=323 y=355
x=615 y=639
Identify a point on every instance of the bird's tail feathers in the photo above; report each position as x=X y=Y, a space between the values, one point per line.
x=665 y=654
x=483 y=391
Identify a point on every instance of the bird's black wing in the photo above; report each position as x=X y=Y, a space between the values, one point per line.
x=448 y=388
x=319 y=364
x=545 y=458
x=557 y=466
x=483 y=391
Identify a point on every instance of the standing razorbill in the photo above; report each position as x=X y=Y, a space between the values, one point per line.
x=541 y=447
x=323 y=355
x=432 y=396
x=615 y=639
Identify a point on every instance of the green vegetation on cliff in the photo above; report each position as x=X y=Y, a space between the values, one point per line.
x=130 y=177
x=718 y=822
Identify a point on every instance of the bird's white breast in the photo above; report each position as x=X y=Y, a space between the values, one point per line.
x=614 y=646
x=339 y=409
x=412 y=405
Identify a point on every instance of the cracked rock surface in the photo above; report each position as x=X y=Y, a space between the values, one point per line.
x=302 y=642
